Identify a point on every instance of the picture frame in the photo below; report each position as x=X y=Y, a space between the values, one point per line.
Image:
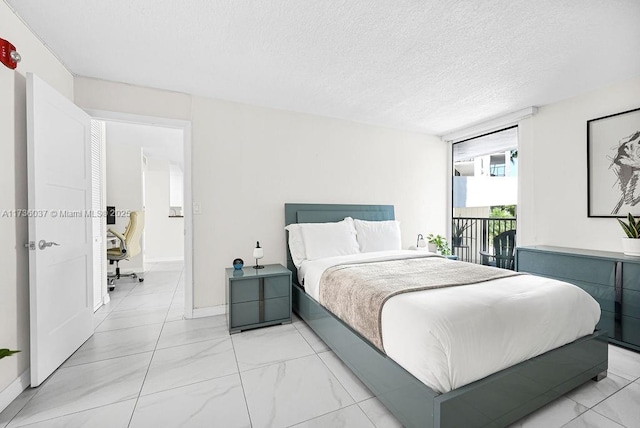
x=613 y=165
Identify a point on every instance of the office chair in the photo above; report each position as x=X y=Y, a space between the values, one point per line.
x=129 y=247
x=504 y=246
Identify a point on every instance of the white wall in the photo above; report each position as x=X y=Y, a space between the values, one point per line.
x=124 y=190
x=553 y=171
x=164 y=235
x=248 y=161
x=120 y=97
x=14 y=291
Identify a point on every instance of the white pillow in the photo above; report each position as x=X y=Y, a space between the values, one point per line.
x=378 y=235
x=296 y=244
x=329 y=239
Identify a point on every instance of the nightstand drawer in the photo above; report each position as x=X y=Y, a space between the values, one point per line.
x=276 y=286
x=246 y=290
x=258 y=297
x=277 y=309
x=245 y=313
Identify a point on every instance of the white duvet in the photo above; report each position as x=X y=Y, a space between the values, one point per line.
x=449 y=337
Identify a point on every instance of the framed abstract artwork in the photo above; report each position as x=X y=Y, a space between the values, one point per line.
x=613 y=165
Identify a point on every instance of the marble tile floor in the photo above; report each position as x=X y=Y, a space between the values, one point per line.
x=147 y=367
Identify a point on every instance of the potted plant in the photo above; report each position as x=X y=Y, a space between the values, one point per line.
x=441 y=245
x=631 y=244
x=458 y=232
x=6 y=352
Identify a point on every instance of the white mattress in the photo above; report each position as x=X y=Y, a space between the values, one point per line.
x=449 y=337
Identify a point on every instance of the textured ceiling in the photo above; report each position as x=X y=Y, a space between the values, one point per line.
x=432 y=66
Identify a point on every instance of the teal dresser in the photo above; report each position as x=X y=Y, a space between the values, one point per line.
x=258 y=297
x=613 y=279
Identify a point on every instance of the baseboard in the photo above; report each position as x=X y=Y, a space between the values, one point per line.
x=12 y=391
x=105 y=299
x=163 y=259
x=210 y=311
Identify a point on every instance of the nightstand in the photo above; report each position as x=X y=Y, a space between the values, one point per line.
x=258 y=297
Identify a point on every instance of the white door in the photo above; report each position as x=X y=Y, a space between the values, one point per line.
x=60 y=257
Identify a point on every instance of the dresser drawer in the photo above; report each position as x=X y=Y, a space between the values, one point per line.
x=245 y=290
x=604 y=295
x=631 y=276
x=277 y=286
x=613 y=279
x=607 y=323
x=631 y=330
x=631 y=303
x=277 y=309
x=567 y=267
x=244 y=313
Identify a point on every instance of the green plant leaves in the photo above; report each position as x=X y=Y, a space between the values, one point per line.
x=6 y=352
x=440 y=242
x=634 y=224
x=458 y=229
x=632 y=227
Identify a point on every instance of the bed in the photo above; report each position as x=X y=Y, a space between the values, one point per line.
x=495 y=400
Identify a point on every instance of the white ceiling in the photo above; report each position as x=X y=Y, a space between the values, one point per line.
x=156 y=142
x=426 y=65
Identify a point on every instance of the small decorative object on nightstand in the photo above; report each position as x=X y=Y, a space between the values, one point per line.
x=258 y=253
x=238 y=264
x=440 y=243
x=258 y=298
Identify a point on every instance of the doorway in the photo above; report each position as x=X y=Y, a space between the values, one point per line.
x=147 y=166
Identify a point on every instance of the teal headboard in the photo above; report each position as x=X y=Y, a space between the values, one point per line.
x=324 y=213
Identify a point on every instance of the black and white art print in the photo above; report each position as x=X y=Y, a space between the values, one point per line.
x=613 y=164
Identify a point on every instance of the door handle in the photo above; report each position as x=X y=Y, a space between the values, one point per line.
x=44 y=244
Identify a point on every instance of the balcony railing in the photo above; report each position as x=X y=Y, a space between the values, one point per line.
x=477 y=236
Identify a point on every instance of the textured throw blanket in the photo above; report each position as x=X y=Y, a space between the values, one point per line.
x=356 y=292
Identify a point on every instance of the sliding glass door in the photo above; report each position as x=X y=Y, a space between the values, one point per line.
x=485 y=194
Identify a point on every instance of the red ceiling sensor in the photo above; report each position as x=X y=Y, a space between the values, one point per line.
x=8 y=54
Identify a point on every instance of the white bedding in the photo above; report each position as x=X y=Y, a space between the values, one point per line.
x=450 y=337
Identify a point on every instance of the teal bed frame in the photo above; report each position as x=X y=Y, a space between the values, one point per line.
x=495 y=401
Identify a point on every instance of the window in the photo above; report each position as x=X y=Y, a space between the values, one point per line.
x=485 y=178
